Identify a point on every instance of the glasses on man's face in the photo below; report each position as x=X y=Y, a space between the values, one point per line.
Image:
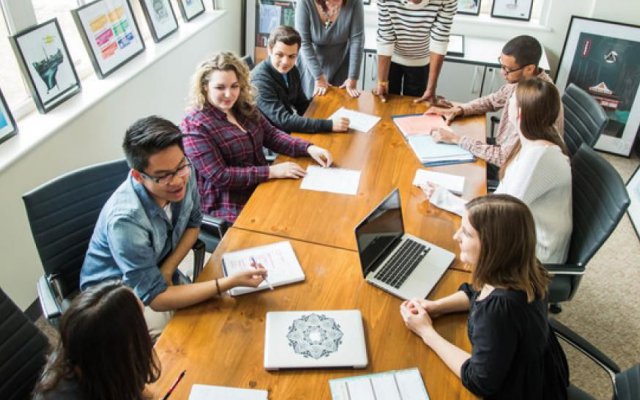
x=508 y=70
x=167 y=178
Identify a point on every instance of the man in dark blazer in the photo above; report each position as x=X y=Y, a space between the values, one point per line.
x=280 y=95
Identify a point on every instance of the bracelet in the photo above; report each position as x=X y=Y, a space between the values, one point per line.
x=218 y=287
x=383 y=83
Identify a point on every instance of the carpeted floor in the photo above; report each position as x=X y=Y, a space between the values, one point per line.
x=605 y=310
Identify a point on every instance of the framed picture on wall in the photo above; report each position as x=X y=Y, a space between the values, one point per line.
x=110 y=34
x=46 y=65
x=471 y=7
x=160 y=18
x=512 y=9
x=190 y=8
x=603 y=58
x=7 y=123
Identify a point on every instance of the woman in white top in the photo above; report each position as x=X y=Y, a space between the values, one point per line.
x=537 y=171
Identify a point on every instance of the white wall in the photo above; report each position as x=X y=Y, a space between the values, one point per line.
x=94 y=137
x=559 y=16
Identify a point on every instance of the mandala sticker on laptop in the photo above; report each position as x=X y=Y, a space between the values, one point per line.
x=315 y=335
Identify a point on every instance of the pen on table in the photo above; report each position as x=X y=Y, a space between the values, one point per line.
x=254 y=264
x=172 y=388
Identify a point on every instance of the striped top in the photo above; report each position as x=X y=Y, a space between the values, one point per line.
x=409 y=32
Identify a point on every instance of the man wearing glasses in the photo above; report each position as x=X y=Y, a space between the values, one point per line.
x=150 y=223
x=519 y=61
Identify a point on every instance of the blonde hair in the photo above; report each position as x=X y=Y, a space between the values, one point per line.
x=224 y=61
x=507 y=235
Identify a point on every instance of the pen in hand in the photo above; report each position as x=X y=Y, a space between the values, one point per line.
x=254 y=264
x=172 y=388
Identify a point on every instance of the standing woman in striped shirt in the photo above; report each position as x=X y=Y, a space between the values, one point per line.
x=413 y=36
x=332 y=34
x=224 y=133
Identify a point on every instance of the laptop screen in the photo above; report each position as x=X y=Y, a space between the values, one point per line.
x=379 y=230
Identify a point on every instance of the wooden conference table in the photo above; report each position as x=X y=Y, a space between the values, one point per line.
x=221 y=342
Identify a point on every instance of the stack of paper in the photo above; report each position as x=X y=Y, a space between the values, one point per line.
x=454 y=183
x=357 y=120
x=207 y=392
x=417 y=128
x=278 y=258
x=392 y=385
x=431 y=153
x=418 y=124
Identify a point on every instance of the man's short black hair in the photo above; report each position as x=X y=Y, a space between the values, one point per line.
x=148 y=136
x=525 y=49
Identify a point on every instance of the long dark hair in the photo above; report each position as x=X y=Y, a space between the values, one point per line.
x=507 y=235
x=539 y=104
x=104 y=346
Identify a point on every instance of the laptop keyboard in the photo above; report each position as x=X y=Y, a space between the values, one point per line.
x=402 y=263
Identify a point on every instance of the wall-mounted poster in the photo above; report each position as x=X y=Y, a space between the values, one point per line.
x=7 y=123
x=603 y=58
x=110 y=34
x=512 y=9
x=45 y=64
x=269 y=15
x=190 y=8
x=471 y=7
x=160 y=18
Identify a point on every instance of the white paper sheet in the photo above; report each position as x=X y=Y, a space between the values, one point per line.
x=334 y=180
x=357 y=121
x=454 y=183
x=207 y=392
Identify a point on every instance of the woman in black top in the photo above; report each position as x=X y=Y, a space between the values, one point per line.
x=514 y=353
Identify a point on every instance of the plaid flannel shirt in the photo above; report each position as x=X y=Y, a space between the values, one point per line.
x=229 y=162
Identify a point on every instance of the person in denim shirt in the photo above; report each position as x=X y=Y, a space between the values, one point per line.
x=150 y=223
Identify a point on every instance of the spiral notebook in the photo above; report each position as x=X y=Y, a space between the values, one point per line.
x=278 y=258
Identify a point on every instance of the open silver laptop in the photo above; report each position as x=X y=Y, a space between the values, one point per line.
x=314 y=339
x=395 y=261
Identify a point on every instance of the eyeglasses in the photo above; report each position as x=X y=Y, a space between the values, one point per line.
x=167 y=178
x=508 y=70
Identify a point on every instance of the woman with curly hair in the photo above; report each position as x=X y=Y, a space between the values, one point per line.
x=224 y=133
x=105 y=351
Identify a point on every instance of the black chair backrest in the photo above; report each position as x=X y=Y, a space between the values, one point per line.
x=584 y=118
x=600 y=199
x=63 y=213
x=249 y=61
x=628 y=384
x=23 y=349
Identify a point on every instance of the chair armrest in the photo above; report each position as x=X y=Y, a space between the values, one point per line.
x=50 y=306
x=214 y=225
x=198 y=258
x=565 y=269
x=577 y=341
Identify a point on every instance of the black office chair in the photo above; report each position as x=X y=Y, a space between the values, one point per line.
x=626 y=384
x=62 y=214
x=584 y=118
x=249 y=61
x=23 y=349
x=600 y=199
